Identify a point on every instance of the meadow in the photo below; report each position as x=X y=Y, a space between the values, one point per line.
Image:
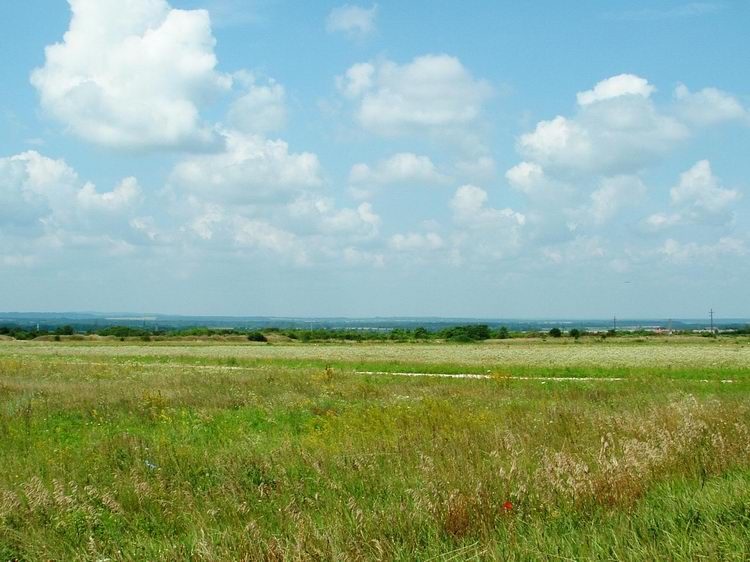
x=622 y=449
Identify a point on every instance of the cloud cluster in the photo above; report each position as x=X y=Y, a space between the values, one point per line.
x=44 y=205
x=429 y=93
x=260 y=109
x=399 y=169
x=617 y=130
x=141 y=75
x=579 y=173
x=250 y=169
x=698 y=198
x=136 y=80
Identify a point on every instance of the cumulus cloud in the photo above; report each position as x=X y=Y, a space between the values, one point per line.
x=251 y=168
x=38 y=191
x=581 y=248
x=33 y=187
x=708 y=106
x=132 y=74
x=615 y=87
x=617 y=130
x=261 y=109
x=529 y=178
x=698 y=198
x=354 y=21
x=45 y=208
x=416 y=242
x=615 y=194
x=580 y=172
x=358 y=257
x=469 y=208
x=685 y=252
x=320 y=215
x=700 y=194
x=429 y=93
x=401 y=168
x=485 y=233
x=125 y=196
x=261 y=235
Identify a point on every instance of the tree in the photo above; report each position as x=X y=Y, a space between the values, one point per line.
x=503 y=333
x=421 y=333
x=555 y=332
x=575 y=333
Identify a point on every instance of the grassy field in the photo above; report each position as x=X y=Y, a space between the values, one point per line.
x=206 y=451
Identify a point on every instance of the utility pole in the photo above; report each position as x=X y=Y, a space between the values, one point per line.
x=711 y=313
x=614 y=324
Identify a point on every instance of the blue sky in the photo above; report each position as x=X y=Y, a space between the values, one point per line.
x=493 y=159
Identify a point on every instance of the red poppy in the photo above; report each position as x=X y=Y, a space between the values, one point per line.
x=507 y=506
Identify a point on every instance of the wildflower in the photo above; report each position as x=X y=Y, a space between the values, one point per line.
x=507 y=506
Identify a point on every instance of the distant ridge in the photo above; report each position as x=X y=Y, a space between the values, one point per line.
x=87 y=320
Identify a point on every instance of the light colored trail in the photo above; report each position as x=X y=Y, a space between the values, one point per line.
x=475 y=376
x=511 y=378
x=381 y=373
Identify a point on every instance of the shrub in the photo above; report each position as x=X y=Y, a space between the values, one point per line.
x=461 y=338
x=555 y=332
x=503 y=333
x=256 y=336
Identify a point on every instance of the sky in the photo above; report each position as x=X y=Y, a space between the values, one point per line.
x=466 y=159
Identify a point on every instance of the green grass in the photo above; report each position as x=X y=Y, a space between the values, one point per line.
x=155 y=452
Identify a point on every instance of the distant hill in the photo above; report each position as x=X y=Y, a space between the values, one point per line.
x=83 y=321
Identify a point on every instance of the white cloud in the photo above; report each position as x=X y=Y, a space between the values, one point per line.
x=679 y=252
x=482 y=168
x=709 y=106
x=581 y=248
x=528 y=178
x=698 y=198
x=262 y=109
x=401 y=168
x=469 y=208
x=132 y=74
x=17 y=260
x=618 y=134
x=250 y=169
x=320 y=215
x=354 y=21
x=33 y=187
x=416 y=242
x=432 y=92
x=616 y=86
x=264 y=236
x=700 y=194
x=357 y=80
x=125 y=196
x=484 y=233
x=661 y=221
x=208 y=218
x=354 y=256
x=614 y=194
x=36 y=191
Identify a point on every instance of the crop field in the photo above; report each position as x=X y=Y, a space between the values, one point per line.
x=621 y=449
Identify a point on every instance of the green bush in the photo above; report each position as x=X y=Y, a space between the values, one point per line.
x=256 y=336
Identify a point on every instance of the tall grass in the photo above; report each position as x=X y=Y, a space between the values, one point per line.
x=127 y=461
